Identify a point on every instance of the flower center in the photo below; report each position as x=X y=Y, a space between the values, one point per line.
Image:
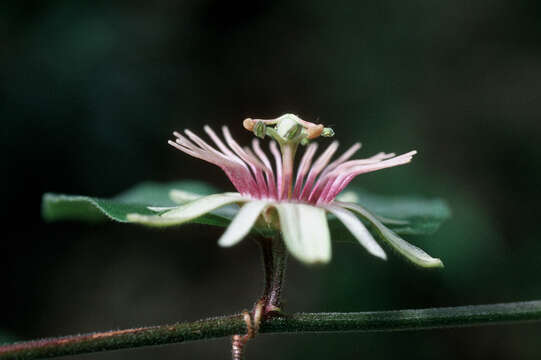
x=289 y=131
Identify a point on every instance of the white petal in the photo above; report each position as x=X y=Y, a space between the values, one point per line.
x=189 y=211
x=160 y=208
x=181 y=196
x=353 y=197
x=348 y=196
x=411 y=252
x=151 y=220
x=242 y=223
x=357 y=228
x=305 y=232
x=202 y=206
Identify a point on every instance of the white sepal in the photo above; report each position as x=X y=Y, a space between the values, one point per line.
x=411 y=252
x=242 y=223
x=357 y=228
x=160 y=208
x=202 y=206
x=305 y=231
x=181 y=196
x=189 y=211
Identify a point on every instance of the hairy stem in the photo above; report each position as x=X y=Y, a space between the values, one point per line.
x=274 y=264
x=316 y=322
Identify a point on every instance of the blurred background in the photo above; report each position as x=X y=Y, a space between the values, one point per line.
x=91 y=90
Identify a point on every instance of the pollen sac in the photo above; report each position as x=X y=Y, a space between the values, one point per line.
x=248 y=124
x=314 y=131
x=259 y=129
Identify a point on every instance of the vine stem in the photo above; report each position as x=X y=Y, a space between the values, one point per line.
x=433 y=318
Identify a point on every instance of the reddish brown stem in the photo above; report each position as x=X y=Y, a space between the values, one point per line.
x=274 y=256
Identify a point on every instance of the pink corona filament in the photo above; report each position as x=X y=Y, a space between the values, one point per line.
x=316 y=181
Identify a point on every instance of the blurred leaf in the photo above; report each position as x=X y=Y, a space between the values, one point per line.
x=135 y=200
x=404 y=215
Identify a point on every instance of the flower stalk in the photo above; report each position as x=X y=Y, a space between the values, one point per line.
x=274 y=256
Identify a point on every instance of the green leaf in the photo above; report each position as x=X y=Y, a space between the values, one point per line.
x=135 y=200
x=405 y=215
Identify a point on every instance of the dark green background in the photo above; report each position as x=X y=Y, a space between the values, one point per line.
x=91 y=90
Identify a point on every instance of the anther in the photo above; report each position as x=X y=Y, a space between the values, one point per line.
x=248 y=124
x=259 y=129
x=314 y=131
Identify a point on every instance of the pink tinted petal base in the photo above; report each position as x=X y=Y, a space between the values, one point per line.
x=318 y=166
x=304 y=166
